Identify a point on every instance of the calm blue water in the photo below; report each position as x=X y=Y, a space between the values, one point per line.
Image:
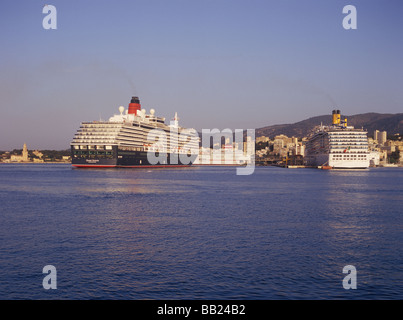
x=200 y=233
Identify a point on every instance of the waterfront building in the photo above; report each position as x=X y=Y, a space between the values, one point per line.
x=38 y=154
x=376 y=136
x=262 y=139
x=25 y=153
x=21 y=158
x=383 y=138
x=380 y=137
x=278 y=145
x=374 y=158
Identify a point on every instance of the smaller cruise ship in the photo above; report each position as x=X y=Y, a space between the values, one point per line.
x=337 y=146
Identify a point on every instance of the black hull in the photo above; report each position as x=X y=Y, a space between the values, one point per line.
x=124 y=159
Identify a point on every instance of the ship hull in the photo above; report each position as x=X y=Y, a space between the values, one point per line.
x=129 y=159
x=320 y=160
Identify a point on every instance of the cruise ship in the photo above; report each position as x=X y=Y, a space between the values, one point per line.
x=337 y=146
x=134 y=139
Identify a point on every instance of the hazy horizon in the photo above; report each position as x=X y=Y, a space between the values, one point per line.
x=219 y=64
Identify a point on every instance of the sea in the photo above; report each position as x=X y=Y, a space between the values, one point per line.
x=200 y=233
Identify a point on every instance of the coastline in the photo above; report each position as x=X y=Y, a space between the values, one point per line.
x=218 y=165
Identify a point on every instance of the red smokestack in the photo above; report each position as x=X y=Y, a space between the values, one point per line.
x=134 y=106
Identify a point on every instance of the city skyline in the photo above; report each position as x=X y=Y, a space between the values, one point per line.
x=235 y=64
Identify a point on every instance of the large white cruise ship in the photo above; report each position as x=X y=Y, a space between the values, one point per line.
x=337 y=146
x=134 y=138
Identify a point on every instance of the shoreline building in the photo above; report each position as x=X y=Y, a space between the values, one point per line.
x=380 y=137
x=21 y=158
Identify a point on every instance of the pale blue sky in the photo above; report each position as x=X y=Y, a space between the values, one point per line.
x=219 y=64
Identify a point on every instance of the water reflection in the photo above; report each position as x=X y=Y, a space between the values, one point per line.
x=201 y=233
x=353 y=223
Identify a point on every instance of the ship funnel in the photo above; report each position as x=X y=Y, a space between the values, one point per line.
x=134 y=106
x=336 y=117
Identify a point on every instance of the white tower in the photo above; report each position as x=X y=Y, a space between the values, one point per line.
x=24 y=153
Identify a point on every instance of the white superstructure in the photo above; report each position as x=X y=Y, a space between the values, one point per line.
x=133 y=133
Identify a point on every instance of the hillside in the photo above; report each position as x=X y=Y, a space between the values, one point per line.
x=391 y=123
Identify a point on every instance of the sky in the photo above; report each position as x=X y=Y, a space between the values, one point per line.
x=238 y=64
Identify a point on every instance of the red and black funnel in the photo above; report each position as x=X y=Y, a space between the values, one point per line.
x=134 y=105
